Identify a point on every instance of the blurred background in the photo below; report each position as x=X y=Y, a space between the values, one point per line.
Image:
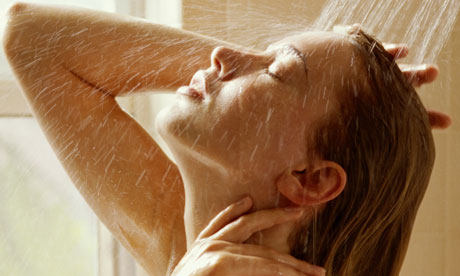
x=46 y=228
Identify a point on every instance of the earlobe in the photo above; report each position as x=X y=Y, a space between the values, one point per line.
x=320 y=184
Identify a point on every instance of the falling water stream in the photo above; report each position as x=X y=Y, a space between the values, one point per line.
x=424 y=26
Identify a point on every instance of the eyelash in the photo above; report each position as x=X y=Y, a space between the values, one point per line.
x=273 y=75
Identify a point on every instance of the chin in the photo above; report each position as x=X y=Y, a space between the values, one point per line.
x=176 y=128
x=163 y=123
x=186 y=130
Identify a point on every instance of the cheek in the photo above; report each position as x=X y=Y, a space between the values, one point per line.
x=243 y=102
x=256 y=120
x=277 y=130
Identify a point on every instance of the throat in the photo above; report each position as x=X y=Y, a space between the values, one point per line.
x=207 y=194
x=210 y=189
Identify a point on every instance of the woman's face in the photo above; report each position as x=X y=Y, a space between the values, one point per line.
x=251 y=111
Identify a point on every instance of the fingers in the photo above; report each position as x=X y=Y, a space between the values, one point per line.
x=256 y=266
x=225 y=234
x=439 y=120
x=226 y=216
x=418 y=75
x=241 y=229
x=267 y=253
x=397 y=50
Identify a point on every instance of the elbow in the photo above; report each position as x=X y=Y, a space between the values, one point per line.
x=9 y=40
x=17 y=32
x=16 y=7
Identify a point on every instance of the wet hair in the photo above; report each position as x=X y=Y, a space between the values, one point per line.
x=381 y=136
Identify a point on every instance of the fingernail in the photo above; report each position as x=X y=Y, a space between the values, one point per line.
x=391 y=45
x=242 y=201
x=322 y=271
x=293 y=209
x=420 y=67
x=319 y=271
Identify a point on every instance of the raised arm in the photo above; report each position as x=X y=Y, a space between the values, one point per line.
x=115 y=53
x=70 y=64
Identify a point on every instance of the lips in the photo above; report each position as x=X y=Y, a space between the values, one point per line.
x=198 y=88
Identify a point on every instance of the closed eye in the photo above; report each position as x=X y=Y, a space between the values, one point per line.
x=271 y=74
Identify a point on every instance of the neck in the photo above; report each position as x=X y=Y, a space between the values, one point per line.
x=210 y=189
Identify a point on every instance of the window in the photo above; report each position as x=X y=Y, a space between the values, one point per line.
x=46 y=226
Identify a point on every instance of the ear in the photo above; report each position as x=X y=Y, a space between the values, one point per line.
x=314 y=185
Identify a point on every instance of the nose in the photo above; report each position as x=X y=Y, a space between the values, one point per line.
x=231 y=62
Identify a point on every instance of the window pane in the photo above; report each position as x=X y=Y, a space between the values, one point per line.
x=46 y=228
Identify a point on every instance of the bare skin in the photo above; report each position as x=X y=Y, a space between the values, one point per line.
x=220 y=249
x=73 y=77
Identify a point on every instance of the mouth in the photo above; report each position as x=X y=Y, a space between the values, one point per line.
x=197 y=88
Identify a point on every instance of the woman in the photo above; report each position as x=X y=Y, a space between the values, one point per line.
x=254 y=123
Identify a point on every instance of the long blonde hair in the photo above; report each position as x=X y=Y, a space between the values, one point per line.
x=381 y=136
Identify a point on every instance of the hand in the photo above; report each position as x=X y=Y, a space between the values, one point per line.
x=220 y=249
x=418 y=75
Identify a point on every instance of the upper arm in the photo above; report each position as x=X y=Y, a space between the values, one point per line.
x=119 y=169
x=122 y=173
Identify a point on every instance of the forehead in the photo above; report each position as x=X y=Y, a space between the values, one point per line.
x=330 y=56
x=332 y=66
x=317 y=42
